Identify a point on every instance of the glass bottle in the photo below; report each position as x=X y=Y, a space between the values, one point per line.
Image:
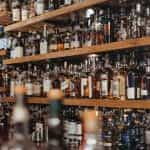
x=20 y=118
x=32 y=9
x=44 y=42
x=16 y=11
x=39 y=5
x=55 y=128
x=24 y=11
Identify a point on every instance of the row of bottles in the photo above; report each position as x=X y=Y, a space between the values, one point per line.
x=92 y=26
x=112 y=129
x=22 y=10
x=107 y=76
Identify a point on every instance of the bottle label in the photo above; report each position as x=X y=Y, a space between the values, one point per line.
x=147 y=137
x=53 y=46
x=18 y=51
x=39 y=130
x=43 y=47
x=90 y=87
x=67 y=2
x=84 y=82
x=115 y=88
x=138 y=92
x=75 y=44
x=88 y=43
x=144 y=92
x=36 y=89
x=12 y=88
x=12 y=54
x=79 y=129
x=104 y=87
x=16 y=14
x=29 y=88
x=66 y=45
x=131 y=93
x=65 y=85
x=47 y=85
x=39 y=8
x=24 y=14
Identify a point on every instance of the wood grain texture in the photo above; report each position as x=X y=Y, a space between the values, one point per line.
x=53 y=14
x=114 y=46
x=135 y=104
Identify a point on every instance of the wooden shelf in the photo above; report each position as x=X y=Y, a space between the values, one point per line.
x=53 y=14
x=134 y=104
x=114 y=46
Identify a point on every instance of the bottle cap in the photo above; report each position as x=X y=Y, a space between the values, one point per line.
x=20 y=90
x=55 y=94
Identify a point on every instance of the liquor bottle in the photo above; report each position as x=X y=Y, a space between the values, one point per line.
x=118 y=86
x=28 y=82
x=18 y=50
x=67 y=41
x=32 y=9
x=67 y=2
x=132 y=79
x=36 y=82
x=47 y=82
x=20 y=119
x=147 y=25
x=90 y=128
x=39 y=7
x=53 y=42
x=55 y=121
x=105 y=78
x=44 y=42
x=16 y=11
x=145 y=81
x=24 y=11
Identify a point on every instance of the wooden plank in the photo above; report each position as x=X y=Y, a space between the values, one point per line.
x=53 y=14
x=135 y=104
x=114 y=46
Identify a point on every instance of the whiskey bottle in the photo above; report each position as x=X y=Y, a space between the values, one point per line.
x=44 y=42
x=39 y=7
x=24 y=11
x=16 y=11
x=20 y=119
x=55 y=128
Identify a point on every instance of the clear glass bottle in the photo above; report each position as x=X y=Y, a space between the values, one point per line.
x=24 y=11
x=39 y=5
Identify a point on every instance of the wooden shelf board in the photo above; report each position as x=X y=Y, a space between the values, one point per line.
x=114 y=46
x=135 y=104
x=53 y=14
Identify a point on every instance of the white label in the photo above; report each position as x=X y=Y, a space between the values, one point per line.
x=12 y=54
x=36 y=89
x=64 y=85
x=104 y=87
x=43 y=47
x=29 y=88
x=115 y=88
x=46 y=85
x=24 y=14
x=88 y=43
x=16 y=14
x=138 y=93
x=144 y=92
x=67 y=2
x=131 y=93
x=66 y=45
x=84 y=83
x=90 y=86
x=18 y=51
x=39 y=129
x=53 y=46
x=39 y=8
x=75 y=44
x=79 y=129
x=12 y=88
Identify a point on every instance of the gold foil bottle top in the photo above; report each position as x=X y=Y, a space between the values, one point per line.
x=20 y=90
x=55 y=94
